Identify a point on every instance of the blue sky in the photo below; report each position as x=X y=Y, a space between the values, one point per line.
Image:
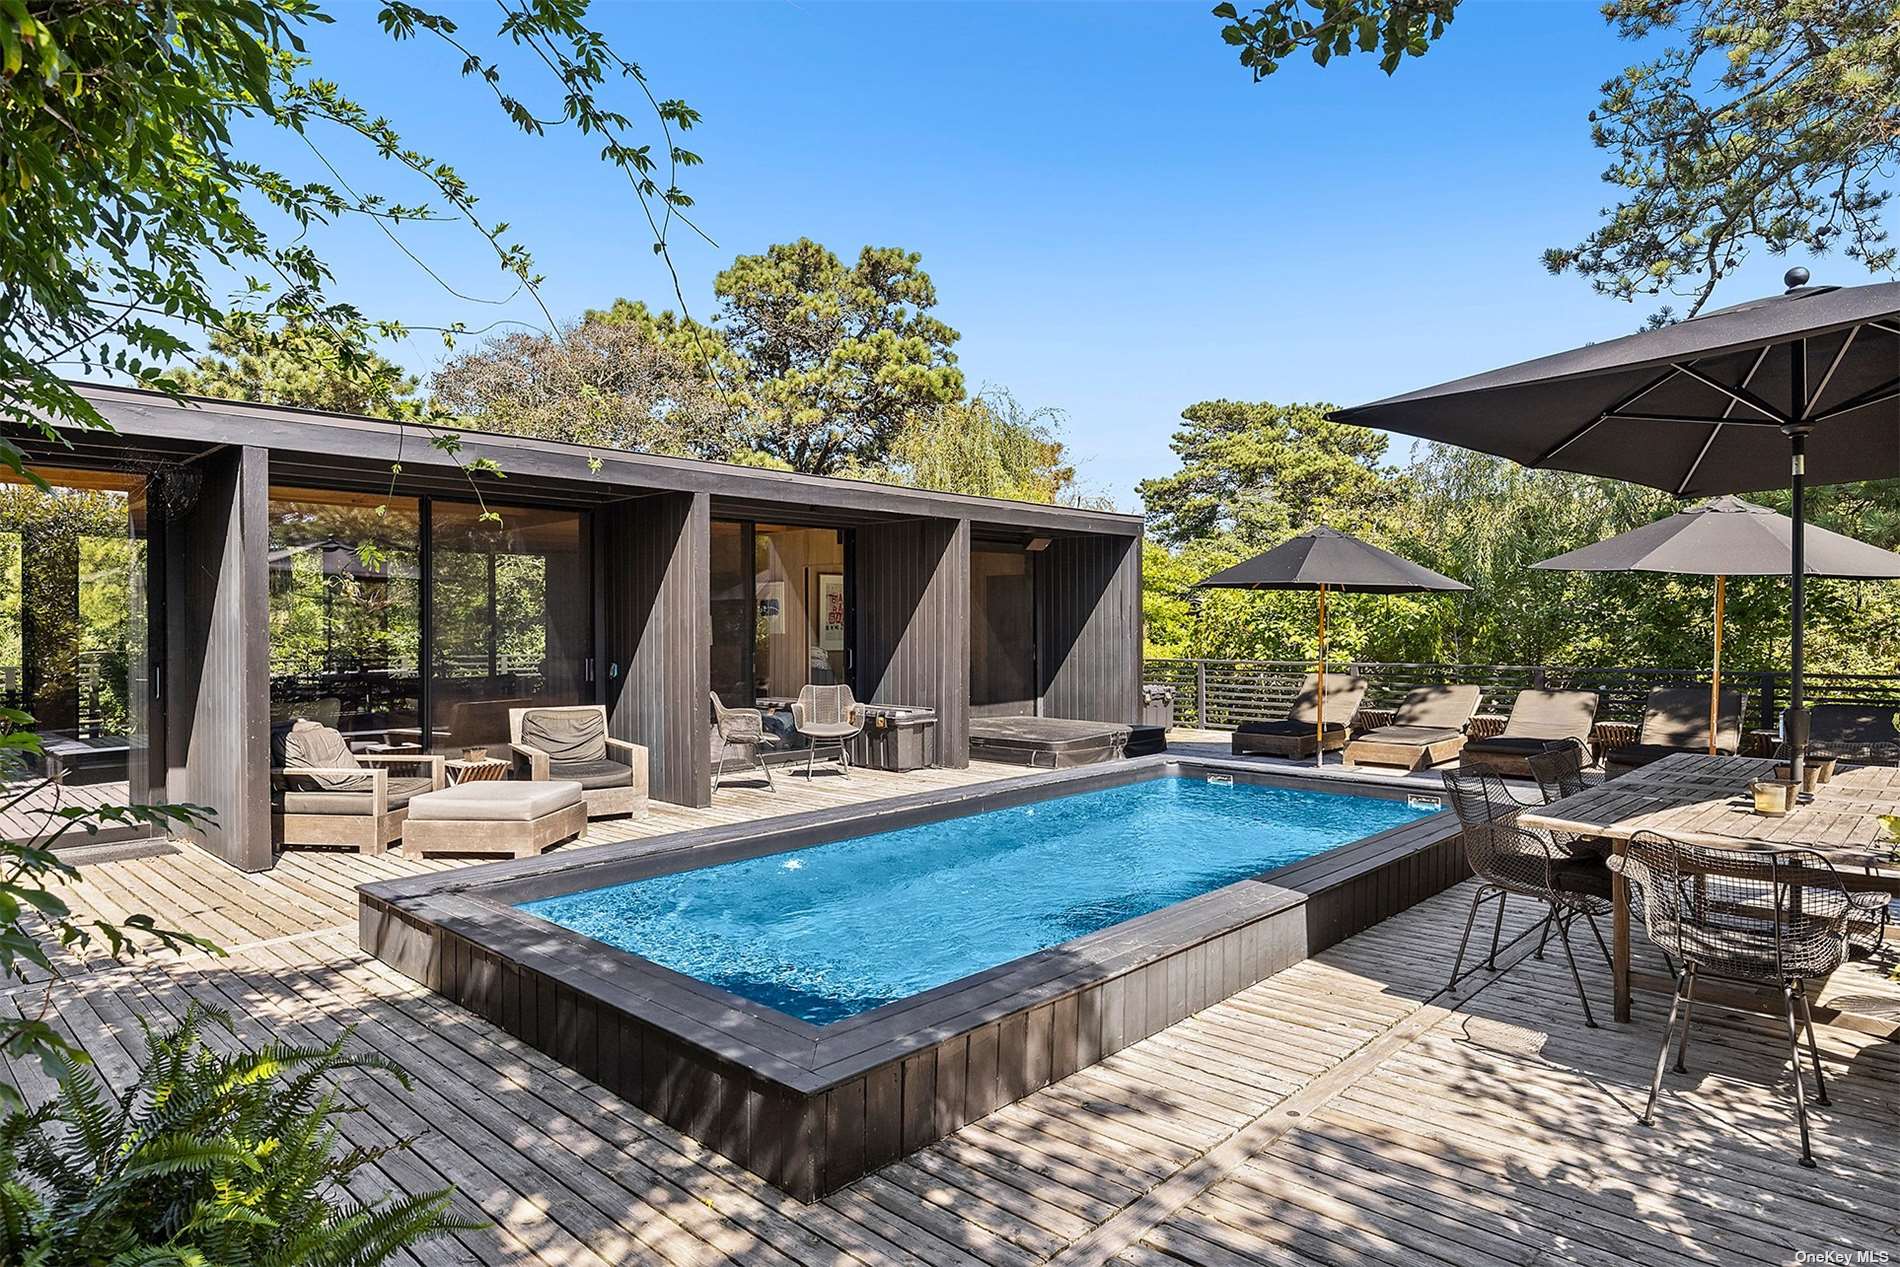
x=1118 y=221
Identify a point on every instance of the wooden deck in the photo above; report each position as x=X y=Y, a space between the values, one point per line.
x=1344 y=1111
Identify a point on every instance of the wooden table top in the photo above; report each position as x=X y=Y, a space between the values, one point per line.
x=1706 y=800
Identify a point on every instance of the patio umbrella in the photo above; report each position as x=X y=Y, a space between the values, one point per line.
x=1323 y=559
x=1797 y=386
x=1723 y=538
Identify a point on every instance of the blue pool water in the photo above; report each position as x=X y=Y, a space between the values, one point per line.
x=837 y=929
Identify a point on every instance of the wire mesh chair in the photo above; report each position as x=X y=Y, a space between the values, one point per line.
x=744 y=729
x=1868 y=922
x=829 y=719
x=1759 y=917
x=1511 y=860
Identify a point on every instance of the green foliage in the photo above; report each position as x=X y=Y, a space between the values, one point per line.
x=1243 y=488
x=1263 y=471
x=838 y=359
x=987 y=446
x=209 y=1160
x=624 y=378
x=1395 y=29
x=1761 y=122
x=292 y=365
x=120 y=185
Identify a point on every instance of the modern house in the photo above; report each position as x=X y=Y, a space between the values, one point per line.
x=207 y=568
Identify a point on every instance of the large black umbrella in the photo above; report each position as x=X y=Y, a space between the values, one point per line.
x=1323 y=559
x=1723 y=538
x=1797 y=386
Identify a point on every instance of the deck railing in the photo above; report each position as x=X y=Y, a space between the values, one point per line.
x=1220 y=694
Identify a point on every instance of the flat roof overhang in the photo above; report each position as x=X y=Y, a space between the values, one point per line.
x=311 y=447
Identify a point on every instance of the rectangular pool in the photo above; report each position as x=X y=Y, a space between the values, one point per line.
x=818 y=994
x=834 y=930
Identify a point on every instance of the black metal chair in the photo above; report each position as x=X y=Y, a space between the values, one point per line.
x=1757 y=917
x=1558 y=770
x=1512 y=860
x=1868 y=922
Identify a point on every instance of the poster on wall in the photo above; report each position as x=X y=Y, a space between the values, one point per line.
x=772 y=607
x=831 y=611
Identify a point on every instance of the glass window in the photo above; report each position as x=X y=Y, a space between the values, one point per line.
x=345 y=614
x=803 y=609
x=73 y=642
x=512 y=618
x=732 y=613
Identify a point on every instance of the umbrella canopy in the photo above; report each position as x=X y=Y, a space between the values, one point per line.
x=1729 y=537
x=1323 y=559
x=1797 y=386
x=1723 y=538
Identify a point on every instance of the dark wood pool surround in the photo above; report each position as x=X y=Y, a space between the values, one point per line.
x=810 y=1108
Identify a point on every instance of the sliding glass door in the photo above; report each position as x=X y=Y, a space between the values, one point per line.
x=781 y=610
x=74 y=648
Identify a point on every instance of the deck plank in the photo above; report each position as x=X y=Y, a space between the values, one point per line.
x=1487 y=1128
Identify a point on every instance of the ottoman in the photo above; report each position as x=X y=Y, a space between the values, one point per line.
x=518 y=818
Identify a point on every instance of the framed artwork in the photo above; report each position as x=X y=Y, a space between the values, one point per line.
x=772 y=607
x=831 y=611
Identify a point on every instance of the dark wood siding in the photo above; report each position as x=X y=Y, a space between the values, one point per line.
x=216 y=685
x=913 y=623
x=655 y=670
x=1090 y=627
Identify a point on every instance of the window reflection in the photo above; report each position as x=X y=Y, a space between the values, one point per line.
x=73 y=622
x=511 y=617
x=345 y=614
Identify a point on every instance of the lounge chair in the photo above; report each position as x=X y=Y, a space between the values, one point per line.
x=324 y=794
x=1538 y=720
x=1855 y=734
x=572 y=743
x=741 y=730
x=1297 y=734
x=1427 y=727
x=1676 y=719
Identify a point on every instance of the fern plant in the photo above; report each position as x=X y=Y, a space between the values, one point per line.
x=209 y=1160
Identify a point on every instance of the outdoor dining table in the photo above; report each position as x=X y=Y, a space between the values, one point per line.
x=1705 y=800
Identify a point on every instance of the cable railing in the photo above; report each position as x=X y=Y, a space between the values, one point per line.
x=1220 y=694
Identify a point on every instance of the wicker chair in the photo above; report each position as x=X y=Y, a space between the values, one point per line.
x=1512 y=860
x=1758 y=917
x=744 y=729
x=829 y=719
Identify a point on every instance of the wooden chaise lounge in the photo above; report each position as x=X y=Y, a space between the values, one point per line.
x=1427 y=727
x=1538 y=720
x=1676 y=719
x=1297 y=734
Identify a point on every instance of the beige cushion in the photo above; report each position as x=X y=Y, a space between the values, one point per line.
x=1438 y=707
x=305 y=744
x=497 y=802
x=316 y=801
x=566 y=734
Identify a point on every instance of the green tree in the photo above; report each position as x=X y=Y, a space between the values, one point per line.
x=125 y=189
x=624 y=378
x=1263 y=471
x=291 y=365
x=838 y=359
x=988 y=446
x=1751 y=124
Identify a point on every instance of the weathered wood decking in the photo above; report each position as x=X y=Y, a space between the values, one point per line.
x=1342 y=1112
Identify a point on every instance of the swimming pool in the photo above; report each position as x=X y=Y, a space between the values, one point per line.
x=946 y=931
x=835 y=930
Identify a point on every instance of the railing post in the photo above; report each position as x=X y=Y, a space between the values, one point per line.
x=1200 y=694
x=1769 y=712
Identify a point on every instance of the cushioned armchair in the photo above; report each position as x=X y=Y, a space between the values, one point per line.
x=572 y=743
x=324 y=794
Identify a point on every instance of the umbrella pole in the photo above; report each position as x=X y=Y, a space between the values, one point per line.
x=1319 y=739
x=1715 y=678
x=1794 y=728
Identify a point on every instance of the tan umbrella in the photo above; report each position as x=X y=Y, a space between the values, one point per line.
x=1723 y=538
x=1323 y=559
